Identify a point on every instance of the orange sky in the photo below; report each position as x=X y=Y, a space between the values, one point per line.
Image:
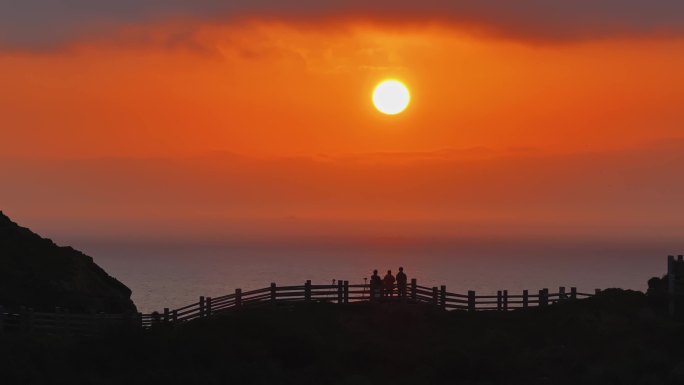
x=270 y=90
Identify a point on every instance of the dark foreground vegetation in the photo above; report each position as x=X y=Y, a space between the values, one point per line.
x=618 y=337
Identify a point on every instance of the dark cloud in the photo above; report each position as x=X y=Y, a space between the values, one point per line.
x=46 y=23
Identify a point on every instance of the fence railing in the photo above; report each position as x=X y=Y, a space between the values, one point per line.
x=63 y=322
x=344 y=292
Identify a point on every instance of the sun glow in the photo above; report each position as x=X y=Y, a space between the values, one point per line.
x=391 y=97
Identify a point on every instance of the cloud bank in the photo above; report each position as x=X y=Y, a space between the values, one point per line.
x=635 y=193
x=48 y=23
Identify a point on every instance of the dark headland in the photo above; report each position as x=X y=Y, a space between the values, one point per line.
x=616 y=337
x=36 y=273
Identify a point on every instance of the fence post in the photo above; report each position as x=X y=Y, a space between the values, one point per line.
x=498 y=300
x=30 y=320
x=56 y=318
x=67 y=321
x=597 y=291
x=435 y=296
x=545 y=292
x=201 y=306
x=540 y=298
x=97 y=322
x=22 y=318
x=675 y=295
x=238 y=297
x=505 y=300
x=307 y=290
x=670 y=284
x=61 y=318
x=346 y=291
x=471 y=300
x=414 y=289
x=561 y=293
x=340 y=291
x=273 y=292
x=207 y=307
x=573 y=293
x=442 y=296
x=526 y=299
x=25 y=319
x=174 y=316
x=2 y=320
x=166 y=315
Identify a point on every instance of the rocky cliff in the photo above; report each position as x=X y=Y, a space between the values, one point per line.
x=35 y=272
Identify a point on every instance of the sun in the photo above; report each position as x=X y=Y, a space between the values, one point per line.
x=391 y=97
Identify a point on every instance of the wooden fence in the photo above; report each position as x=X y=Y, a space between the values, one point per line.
x=344 y=292
x=62 y=322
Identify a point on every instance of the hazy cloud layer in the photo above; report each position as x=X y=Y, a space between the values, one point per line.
x=613 y=194
x=46 y=23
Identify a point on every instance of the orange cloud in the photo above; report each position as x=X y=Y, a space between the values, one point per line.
x=274 y=89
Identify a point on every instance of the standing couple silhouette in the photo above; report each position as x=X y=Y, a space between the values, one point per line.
x=384 y=287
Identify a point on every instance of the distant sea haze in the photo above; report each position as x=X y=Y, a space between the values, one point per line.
x=175 y=273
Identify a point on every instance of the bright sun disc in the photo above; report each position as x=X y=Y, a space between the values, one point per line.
x=391 y=97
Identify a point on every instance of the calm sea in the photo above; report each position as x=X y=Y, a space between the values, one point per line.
x=175 y=273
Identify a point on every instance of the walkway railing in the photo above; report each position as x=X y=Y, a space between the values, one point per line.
x=344 y=292
x=64 y=322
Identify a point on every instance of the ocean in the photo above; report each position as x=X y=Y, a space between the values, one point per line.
x=174 y=273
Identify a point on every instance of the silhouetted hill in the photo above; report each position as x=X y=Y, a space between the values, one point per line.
x=618 y=337
x=35 y=272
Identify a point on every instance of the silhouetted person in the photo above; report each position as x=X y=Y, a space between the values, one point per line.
x=375 y=285
x=388 y=283
x=401 y=283
x=156 y=318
